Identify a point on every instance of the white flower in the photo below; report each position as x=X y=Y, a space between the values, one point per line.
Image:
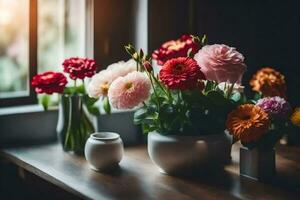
x=100 y=83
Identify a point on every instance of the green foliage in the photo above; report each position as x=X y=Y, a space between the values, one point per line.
x=75 y=89
x=106 y=105
x=44 y=99
x=88 y=101
x=187 y=112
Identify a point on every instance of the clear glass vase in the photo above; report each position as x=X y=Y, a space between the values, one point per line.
x=74 y=126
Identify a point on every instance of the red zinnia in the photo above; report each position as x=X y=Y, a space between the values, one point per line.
x=79 y=68
x=49 y=82
x=175 y=48
x=181 y=73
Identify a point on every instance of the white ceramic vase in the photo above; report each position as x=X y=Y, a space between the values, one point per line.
x=176 y=154
x=104 y=150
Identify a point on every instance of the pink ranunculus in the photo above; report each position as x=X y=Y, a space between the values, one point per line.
x=129 y=91
x=221 y=63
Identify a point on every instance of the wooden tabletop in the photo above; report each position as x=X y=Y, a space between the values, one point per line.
x=138 y=178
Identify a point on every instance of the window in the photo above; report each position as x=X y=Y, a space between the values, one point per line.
x=52 y=30
x=61 y=30
x=14 y=49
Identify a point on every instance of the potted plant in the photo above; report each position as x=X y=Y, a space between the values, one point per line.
x=74 y=125
x=183 y=105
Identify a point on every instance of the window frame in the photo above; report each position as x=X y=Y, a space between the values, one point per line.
x=31 y=98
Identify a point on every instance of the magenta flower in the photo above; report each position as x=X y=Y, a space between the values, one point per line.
x=276 y=107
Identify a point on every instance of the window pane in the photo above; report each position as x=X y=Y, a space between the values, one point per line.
x=14 y=48
x=50 y=34
x=61 y=29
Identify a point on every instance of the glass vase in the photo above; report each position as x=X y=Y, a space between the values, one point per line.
x=74 y=126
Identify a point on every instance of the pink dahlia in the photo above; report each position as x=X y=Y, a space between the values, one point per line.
x=276 y=107
x=79 y=68
x=221 y=63
x=181 y=73
x=129 y=91
x=175 y=48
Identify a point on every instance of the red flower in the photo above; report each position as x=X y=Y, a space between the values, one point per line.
x=181 y=73
x=79 y=68
x=49 y=82
x=175 y=48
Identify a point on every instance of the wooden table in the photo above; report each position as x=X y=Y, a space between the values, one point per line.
x=138 y=178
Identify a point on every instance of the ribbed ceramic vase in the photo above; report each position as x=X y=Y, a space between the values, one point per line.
x=174 y=154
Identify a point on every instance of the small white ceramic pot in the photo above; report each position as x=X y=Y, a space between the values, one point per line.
x=104 y=150
x=176 y=154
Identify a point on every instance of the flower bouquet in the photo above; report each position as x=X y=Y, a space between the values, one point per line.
x=184 y=105
x=74 y=125
x=261 y=124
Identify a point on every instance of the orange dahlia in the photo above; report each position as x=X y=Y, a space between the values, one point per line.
x=248 y=123
x=269 y=82
x=295 y=118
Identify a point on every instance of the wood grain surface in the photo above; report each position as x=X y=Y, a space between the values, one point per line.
x=138 y=177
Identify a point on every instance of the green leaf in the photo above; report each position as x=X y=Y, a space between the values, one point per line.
x=68 y=90
x=204 y=40
x=148 y=128
x=129 y=49
x=217 y=97
x=236 y=97
x=257 y=96
x=80 y=89
x=106 y=105
x=89 y=101
x=45 y=101
x=209 y=86
x=190 y=53
x=93 y=110
x=243 y=98
x=140 y=113
x=151 y=119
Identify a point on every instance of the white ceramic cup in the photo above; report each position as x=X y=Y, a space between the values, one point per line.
x=104 y=150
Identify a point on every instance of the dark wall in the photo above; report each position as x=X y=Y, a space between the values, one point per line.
x=266 y=31
x=167 y=19
x=113 y=28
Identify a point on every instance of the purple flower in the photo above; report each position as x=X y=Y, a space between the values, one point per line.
x=276 y=107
